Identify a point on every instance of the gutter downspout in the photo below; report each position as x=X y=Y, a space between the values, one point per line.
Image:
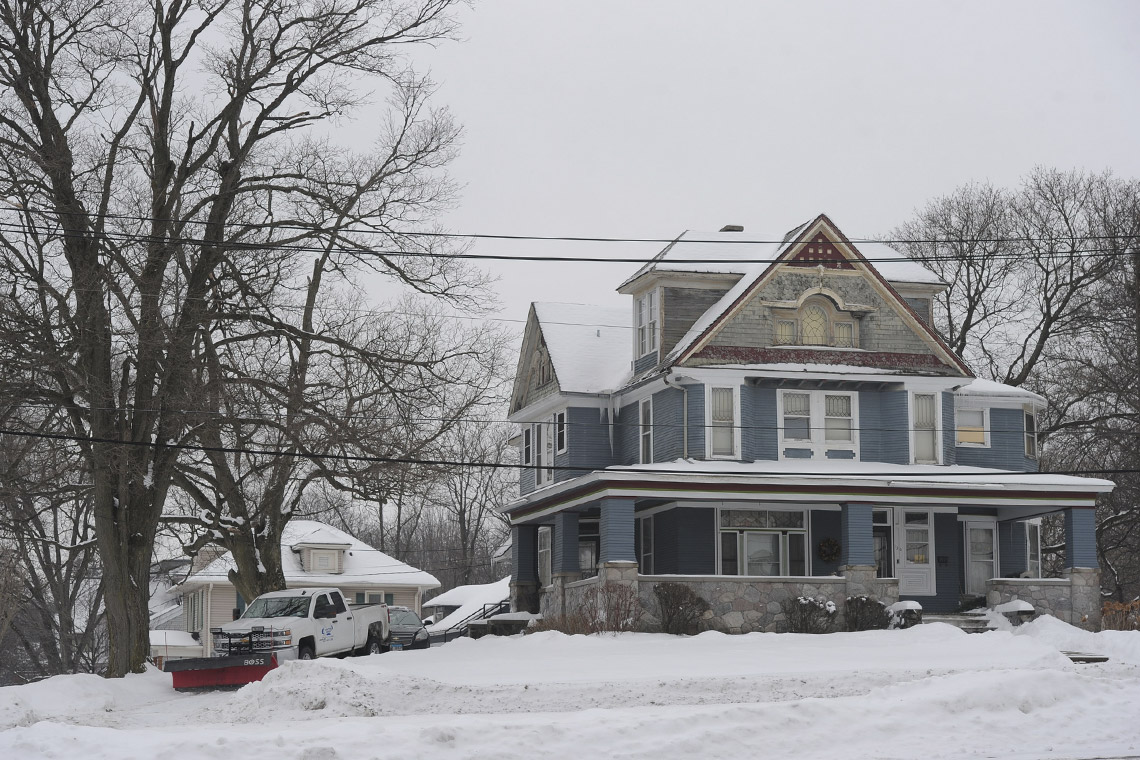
x=684 y=415
x=206 y=620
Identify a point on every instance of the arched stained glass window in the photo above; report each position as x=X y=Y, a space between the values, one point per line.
x=813 y=324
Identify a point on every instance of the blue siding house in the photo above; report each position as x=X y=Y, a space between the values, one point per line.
x=770 y=420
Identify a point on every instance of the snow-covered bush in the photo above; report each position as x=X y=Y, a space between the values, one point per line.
x=807 y=615
x=865 y=613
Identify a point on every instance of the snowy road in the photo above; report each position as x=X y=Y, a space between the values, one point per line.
x=931 y=692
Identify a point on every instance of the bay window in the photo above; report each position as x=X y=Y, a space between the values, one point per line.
x=1031 y=434
x=971 y=428
x=646 y=432
x=544 y=552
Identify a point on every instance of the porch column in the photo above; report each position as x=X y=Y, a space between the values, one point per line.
x=857 y=545
x=1081 y=567
x=566 y=543
x=617 y=528
x=524 y=568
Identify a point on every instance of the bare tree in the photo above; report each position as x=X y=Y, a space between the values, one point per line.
x=144 y=149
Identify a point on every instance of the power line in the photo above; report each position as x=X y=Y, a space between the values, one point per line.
x=558 y=238
x=580 y=468
x=366 y=251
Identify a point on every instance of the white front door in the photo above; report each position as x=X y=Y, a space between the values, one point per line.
x=981 y=554
x=914 y=551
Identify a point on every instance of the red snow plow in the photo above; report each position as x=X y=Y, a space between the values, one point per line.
x=219 y=672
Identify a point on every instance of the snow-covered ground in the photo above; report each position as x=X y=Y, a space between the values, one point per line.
x=930 y=692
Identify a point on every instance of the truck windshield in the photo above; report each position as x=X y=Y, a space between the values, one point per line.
x=279 y=606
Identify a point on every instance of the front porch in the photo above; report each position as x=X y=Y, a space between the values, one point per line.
x=747 y=558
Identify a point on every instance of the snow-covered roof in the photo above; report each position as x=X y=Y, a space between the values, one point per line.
x=469 y=600
x=991 y=389
x=738 y=253
x=924 y=475
x=590 y=346
x=363 y=565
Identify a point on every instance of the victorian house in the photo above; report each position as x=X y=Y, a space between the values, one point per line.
x=767 y=420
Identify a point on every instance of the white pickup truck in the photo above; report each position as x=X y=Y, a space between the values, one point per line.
x=304 y=623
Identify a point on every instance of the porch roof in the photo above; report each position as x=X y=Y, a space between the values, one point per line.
x=816 y=481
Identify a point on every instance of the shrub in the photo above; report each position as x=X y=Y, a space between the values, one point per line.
x=679 y=608
x=806 y=615
x=865 y=613
x=1120 y=616
x=609 y=607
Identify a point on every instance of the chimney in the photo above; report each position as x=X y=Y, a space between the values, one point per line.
x=732 y=228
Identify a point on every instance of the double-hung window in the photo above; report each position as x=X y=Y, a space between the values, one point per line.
x=822 y=423
x=560 y=432
x=1033 y=548
x=528 y=445
x=763 y=542
x=646 y=546
x=1031 y=434
x=971 y=428
x=544 y=544
x=722 y=423
x=645 y=430
x=647 y=323
x=924 y=417
x=542 y=437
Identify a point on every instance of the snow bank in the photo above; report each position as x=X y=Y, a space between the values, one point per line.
x=931 y=691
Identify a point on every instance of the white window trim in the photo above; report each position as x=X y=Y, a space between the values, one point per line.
x=652 y=313
x=542 y=439
x=1036 y=523
x=784 y=553
x=644 y=431
x=1036 y=433
x=939 y=455
x=544 y=530
x=736 y=441
x=528 y=444
x=559 y=420
x=985 y=427
x=818 y=442
x=647 y=567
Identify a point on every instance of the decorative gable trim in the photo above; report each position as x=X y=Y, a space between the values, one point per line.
x=804 y=251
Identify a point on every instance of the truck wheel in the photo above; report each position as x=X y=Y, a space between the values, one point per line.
x=374 y=646
x=305 y=652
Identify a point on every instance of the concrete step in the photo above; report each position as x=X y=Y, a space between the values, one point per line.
x=973 y=621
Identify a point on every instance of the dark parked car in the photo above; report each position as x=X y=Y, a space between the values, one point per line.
x=408 y=631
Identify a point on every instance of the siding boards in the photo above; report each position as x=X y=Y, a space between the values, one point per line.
x=696 y=541
x=625 y=436
x=948 y=435
x=1080 y=538
x=524 y=553
x=696 y=421
x=870 y=426
x=894 y=428
x=646 y=362
x=682 y=307
x=668 y=424
x=824 y=525
x=760 y=436
x=587 y=443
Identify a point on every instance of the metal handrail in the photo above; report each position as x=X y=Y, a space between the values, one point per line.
x=458 y=629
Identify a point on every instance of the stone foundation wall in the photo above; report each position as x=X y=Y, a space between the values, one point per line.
x=1074 y=598
x=744 y=606
x=737 y=605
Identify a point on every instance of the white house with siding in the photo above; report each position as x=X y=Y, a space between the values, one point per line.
x=313 y=554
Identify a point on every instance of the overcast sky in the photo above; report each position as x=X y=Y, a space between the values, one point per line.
x=642 y=119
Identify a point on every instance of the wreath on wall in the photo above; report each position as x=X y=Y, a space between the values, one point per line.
x=829 y=550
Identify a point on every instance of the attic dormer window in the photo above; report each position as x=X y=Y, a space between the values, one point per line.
x=647 y=323
x=816 y=323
